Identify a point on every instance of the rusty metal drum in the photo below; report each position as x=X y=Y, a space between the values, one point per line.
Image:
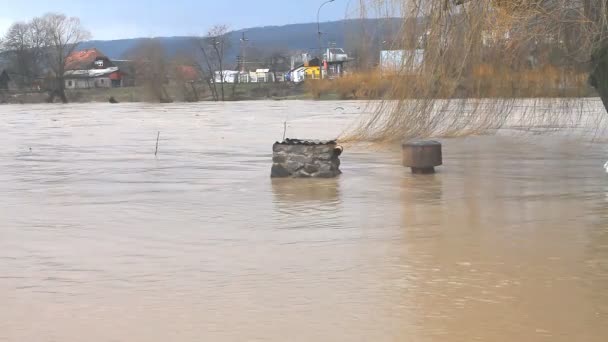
x=422 y=156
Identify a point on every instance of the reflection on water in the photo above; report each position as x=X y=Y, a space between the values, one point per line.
x=289 y=192
x=100 y=239
x=421 y=189
x=307 y=203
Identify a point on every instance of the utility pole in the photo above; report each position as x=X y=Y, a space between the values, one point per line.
x=244 y=41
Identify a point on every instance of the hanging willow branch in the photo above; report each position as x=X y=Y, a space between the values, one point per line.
x=480 y=58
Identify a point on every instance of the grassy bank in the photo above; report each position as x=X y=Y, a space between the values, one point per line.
x=482 y=82
x=178 y=93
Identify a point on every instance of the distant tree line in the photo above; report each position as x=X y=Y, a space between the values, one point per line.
x=207 y=59
x=35 y=54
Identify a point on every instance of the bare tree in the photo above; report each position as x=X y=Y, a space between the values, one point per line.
x=18 y=47
x=185 y=74
x=25 y=45
x=152 y=68
x=206 y=67
x=361 y=46
x=213 y=49
x=64 y=34
x=278 y=61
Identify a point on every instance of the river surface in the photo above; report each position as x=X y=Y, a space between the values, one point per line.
x=102 y=241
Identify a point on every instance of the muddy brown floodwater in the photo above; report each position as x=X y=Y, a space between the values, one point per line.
x=101 y=241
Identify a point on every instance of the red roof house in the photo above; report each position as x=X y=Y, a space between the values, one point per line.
x=91 y=69
x=87 y=59
x=187 y=73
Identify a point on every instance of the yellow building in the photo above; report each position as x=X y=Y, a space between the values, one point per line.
x=313 y=72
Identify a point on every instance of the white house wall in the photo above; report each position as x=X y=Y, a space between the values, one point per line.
x=103 y=82
x=78 y=83
x=409 y=61
x=87 y=83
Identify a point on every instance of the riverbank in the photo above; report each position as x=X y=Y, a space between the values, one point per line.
x=357 y=86
x=187 y=93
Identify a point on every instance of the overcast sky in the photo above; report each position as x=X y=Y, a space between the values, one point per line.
x=115 y=19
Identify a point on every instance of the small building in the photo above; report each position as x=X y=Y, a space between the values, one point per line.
x=333 y=62
x=227 y=76
x=299 y=60
x=310 y=69
x=265 y=76
x=313 y=72
x=246 y=77
x=252 y=77
x=280 y=77
x=87 y=59
x=91 y=69
x=330 y=66
x=333 y=69
x=408 y=61
x=187 y=73
x=335 y=55
x=298 y=75
x=94 y=78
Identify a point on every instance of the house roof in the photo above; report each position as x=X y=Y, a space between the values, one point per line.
x=82 y=59
x=91 y=73
x=188 y=73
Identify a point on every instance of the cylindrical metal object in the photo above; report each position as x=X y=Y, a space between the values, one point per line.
x=422 y=156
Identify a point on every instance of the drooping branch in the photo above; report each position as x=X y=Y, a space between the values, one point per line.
x=504 y=49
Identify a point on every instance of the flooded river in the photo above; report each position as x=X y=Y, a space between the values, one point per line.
x=102 y=241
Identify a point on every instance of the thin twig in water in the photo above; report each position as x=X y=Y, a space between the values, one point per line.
x=157 y=138
x=284 y=129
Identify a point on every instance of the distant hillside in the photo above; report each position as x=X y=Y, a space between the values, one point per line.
x=345 y=33
x=118 y=49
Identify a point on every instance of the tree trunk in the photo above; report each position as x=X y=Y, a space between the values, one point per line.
x=213 y=89
x=598 y=77
x=220 y=57
x=194 y=92
x=210 y=81
x=599 y=73
x=234 y=85
x=222 y=78
x=61 y=91
x=57 y=90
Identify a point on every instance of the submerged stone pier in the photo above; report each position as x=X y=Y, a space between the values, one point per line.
x=303 y=158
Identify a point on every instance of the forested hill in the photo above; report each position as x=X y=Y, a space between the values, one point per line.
x=344 y=33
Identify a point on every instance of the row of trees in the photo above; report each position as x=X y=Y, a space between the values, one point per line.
x=207 y=57
x=154 y=67
x=37 y=51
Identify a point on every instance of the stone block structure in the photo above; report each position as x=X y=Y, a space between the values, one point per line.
x=306 y=158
